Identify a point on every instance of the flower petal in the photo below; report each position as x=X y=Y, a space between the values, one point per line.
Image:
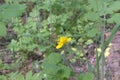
x=61 y=41
x=59 y=46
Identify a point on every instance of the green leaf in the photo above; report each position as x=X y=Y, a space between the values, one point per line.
x=115 y=6
x=37 y=76
x=3 y=31
x=9 y=11
x=79 y=54
x=1 y=64
x=96 y=5
x=31 y=47
x=115 y=18
x=12 y=75
x=89 y=41
x=54 y=58
x=91 y=16
x=88 y=76
x=2 y=77
x=50 y=68
x=19 y=76
x=13 y=46
x=92 y=33
x=43 y=48
x=28 y=75
x=64 y=71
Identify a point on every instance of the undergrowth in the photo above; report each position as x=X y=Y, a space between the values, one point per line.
x=56 y=30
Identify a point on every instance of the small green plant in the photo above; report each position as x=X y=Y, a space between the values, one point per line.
x=9 y=12
x=3 y=32
x=87 y=76
x=18 y=76
x=54 y=68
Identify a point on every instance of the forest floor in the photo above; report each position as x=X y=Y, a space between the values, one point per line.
x=112 y=68
x=113 y=60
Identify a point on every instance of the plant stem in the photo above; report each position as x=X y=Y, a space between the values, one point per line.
x=102 y=42
x=97 y=65
x=97 y=56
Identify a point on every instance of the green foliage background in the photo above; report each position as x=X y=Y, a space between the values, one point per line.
x=46 y=20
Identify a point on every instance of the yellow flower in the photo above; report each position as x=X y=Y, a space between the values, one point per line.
x=61 y=41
